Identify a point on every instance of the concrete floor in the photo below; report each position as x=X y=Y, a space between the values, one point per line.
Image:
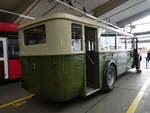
x=117 y=101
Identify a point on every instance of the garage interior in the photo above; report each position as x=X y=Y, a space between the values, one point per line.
x=131 y=91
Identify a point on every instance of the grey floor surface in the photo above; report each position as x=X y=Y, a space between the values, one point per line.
x=117 y=101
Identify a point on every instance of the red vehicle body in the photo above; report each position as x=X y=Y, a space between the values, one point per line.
x=10 y=58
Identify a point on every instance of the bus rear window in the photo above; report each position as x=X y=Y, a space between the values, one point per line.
x=35 y=35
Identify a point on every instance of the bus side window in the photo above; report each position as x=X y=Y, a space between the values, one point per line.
x=129 y=43
x=107 y=40
x=121 y=42
x=76 y=40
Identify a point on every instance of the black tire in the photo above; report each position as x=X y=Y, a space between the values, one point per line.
x=109 y=77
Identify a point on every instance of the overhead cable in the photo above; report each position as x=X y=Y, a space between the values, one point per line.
x=13 y=13
x=86 y=14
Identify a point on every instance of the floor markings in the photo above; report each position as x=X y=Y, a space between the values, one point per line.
x=138 y=98
x=20 y=104
x=16 y=101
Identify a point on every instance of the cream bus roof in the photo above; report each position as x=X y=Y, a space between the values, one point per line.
x=81 y=19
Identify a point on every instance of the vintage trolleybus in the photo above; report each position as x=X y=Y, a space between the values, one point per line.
x=64 y=56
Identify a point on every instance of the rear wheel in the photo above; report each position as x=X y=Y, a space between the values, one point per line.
x=109 y=78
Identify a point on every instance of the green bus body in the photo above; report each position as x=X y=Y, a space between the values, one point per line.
x=53 y=70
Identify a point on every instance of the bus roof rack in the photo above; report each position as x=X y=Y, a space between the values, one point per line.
x=86 y=14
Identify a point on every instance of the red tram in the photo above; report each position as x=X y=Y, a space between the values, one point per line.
x=9 y=52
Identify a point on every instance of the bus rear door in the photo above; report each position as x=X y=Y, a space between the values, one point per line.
x=92 y=60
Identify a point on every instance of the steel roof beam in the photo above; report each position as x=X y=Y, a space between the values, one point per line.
x=27 y=10
x=133 y=18
x=142 y=33
x=144 y=41
x=19 y=7
x=102 y=9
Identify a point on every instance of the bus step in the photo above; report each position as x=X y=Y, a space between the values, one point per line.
x=90 y=91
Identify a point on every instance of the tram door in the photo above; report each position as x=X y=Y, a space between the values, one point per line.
x=3 y=59
x=92 y=60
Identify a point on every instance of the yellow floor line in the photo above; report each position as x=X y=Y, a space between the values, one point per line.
x=20 y=104
x=138 y=98
x=16 y=101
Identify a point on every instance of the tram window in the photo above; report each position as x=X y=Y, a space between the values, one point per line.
x=129 y=43
x=107 y=41
x=35 y=35
x=121 y=42
x=76 y=31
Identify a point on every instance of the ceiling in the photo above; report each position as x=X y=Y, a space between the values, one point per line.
x=128 y=12
x=17 y=6
x=120 y=12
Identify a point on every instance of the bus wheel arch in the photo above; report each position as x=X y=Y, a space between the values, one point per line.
x=110 y=76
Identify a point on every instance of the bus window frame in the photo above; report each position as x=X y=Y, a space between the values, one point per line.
x=82 y=38
x=32 y=26
x=132 y=42
x=115 y=44
x=125 y=46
